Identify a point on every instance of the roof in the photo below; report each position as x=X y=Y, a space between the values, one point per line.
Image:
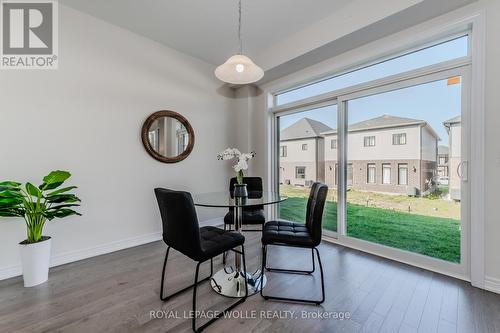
x=454 y=120
x=443 y=150
x=304 y=128
x=386 y=121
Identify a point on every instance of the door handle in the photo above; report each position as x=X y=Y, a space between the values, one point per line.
x=463 y=170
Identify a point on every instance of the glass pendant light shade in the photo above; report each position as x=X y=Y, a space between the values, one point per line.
x=239 y=69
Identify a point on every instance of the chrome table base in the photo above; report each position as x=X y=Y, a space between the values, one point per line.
x=230 y=283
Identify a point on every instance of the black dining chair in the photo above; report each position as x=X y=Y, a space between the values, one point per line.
x=182 y=233
x=251 y=215
x=294 y=234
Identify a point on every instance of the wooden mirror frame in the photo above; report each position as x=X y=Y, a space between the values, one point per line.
x=145 y=137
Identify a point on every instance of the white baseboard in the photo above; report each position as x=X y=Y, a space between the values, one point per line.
x=72 y=256
x=10 y=271
x=492 y=284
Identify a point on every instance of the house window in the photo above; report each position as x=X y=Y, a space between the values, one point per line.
x=300 y=172
x=386 y=173
x=304 y=146
x=399 y=139
x=283 y=151
x=370 y=179
x=443 y=160
x=369 y=141
x=334 y=144
x=403 y=174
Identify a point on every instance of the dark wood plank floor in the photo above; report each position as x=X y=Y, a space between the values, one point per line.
x=117 y=292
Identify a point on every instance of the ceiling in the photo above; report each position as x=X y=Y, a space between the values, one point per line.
x=207 y=29
x=282 y=36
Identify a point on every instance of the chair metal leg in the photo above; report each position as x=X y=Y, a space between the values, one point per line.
x=225 y=253
x=264 y=255
x=294 y=271
x=166 y=298
x=322 y=278
x=317 y=302
x=241 y=300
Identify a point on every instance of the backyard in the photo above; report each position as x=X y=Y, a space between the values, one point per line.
x=429 y=226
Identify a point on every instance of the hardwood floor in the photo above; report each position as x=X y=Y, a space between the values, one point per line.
x=117 y=293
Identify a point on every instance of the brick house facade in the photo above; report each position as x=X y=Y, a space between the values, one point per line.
x=385 y=154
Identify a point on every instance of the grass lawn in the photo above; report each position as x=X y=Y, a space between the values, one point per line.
x=438 y=237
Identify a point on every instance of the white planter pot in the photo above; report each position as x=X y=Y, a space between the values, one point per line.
x=35 y=259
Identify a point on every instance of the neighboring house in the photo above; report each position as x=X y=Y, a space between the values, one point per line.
x=443 y=157
x=302 y=152
x=454 y=128
x=385 y=154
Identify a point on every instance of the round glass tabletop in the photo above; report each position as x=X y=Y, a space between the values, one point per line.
x=226 y=199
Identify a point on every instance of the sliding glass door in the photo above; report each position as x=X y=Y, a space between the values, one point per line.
x=393 y=151
x=405 y=148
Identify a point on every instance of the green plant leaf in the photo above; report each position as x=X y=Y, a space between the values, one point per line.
x=54 y=180
x=10 y=194
x=11 y=212
x=10 y=201
x=61 y=213
x=10 y=184
x=62 y=190
x=54 y=208
x=63 y=198
x=32 y=190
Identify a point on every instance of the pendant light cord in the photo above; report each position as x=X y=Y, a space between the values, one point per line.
x=239 y=28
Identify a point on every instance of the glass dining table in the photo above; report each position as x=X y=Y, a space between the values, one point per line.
x=230 y=280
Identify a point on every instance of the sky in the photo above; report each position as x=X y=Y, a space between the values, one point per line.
x=433 y=102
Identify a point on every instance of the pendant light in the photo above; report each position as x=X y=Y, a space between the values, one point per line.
x=239 y=69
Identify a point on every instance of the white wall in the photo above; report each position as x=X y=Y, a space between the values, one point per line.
x=388 y=45
x=86 y=117
x=492 y=149
x=429 y=145
x=455 y=140
x=295 y=152
x=331 y=154
x=383 y=149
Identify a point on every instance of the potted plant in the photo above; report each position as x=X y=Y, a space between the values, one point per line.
x=37 y=205
x=240 y=189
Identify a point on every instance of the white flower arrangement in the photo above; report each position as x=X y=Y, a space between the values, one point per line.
x=242 y=161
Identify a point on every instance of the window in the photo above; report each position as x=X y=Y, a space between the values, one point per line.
x=370 y=179
x=300 y=172
x=403 y=174
x=443 y=160
x=154 y=139
x=283 y=152
x=386 y=173
x=334 y=144
x=448 y=50
x=399 y=139
x=304 y=146
x=182 y=142
x=369 y=141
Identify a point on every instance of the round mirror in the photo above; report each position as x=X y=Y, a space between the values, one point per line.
x=167 y=136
